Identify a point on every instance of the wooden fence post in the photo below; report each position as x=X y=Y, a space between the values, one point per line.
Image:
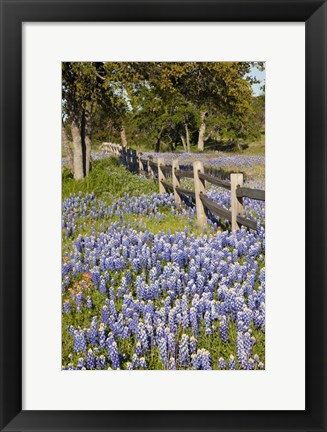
x=236 y=181
x=123 y=156
x=128 y=158
x=161 y=175
x=150 y=170
x=134 y=167
x=199 y=187
x=141 y=167
x=175 y=181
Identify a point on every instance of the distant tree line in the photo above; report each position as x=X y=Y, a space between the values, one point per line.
x=157 y=104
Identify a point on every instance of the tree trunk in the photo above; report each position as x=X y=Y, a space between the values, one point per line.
x=157 y=145
x=202 y=131
x=123 y=136
x=188 y=145
x=68 y=149
x=171 y=145
x=78 y=151
x=184 y=143
x=88 y=141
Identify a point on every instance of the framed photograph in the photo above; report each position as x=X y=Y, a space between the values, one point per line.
x=163 y=215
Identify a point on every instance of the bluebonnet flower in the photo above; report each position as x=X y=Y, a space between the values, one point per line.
x=207 y=320
x=247 y=342
x=66 y=307
x=251 y=364
x=232 y=363
x=184 y=357
x=142 y=363
x=196 y=360
x=92 y=331
x=171 y=343
x=201 y=360
x=185 y=320
x=105 y=314
x=101 y=362
x=221 y=363
x=102 y=335
x=172 y=363
x=242 y=355
x=194 y=321
x=223 y=328
x=192 y=345
x=112 y=296
x=103 y=286
x=128 y=277
x=113 y=354
x=138 y=349
x=80 y=363
x=79 y=301
x=89 y=303
x=163 y=352
x=142 y=337
x=119 y=326
x=189 y=280
x=129 y=366
x=95 y=274
x=79 y=341
x=90 y=360
x=206 y=360
x=134 y=323
x=171 y=320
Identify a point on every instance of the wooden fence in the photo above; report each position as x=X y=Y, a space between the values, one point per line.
x=111 y=148
x=162 y=173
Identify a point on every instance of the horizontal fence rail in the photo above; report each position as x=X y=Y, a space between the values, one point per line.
x=246 y=222
x=159 y=171
x=187 y=192
x=184 y=173
x=111 y=148
x=167 y=185
x=215 y=208
x=215 y=181
x=256 y=194
x=166 y=169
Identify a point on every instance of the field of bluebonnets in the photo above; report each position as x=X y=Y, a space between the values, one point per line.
x=143 y=287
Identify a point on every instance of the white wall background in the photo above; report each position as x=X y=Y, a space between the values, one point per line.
x=281 y=385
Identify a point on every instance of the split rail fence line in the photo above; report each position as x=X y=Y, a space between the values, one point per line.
x=134 y=161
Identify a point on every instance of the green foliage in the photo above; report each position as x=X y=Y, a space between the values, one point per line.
x=159 y=103
x=80 y=88
x=107 y=179
x=176 y=94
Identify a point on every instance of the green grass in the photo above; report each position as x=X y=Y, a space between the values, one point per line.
x=172 y=223
x=107 y=179
x=256 y=172
x=256 y=148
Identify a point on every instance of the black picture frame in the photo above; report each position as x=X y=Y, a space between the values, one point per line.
x=13 y=14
